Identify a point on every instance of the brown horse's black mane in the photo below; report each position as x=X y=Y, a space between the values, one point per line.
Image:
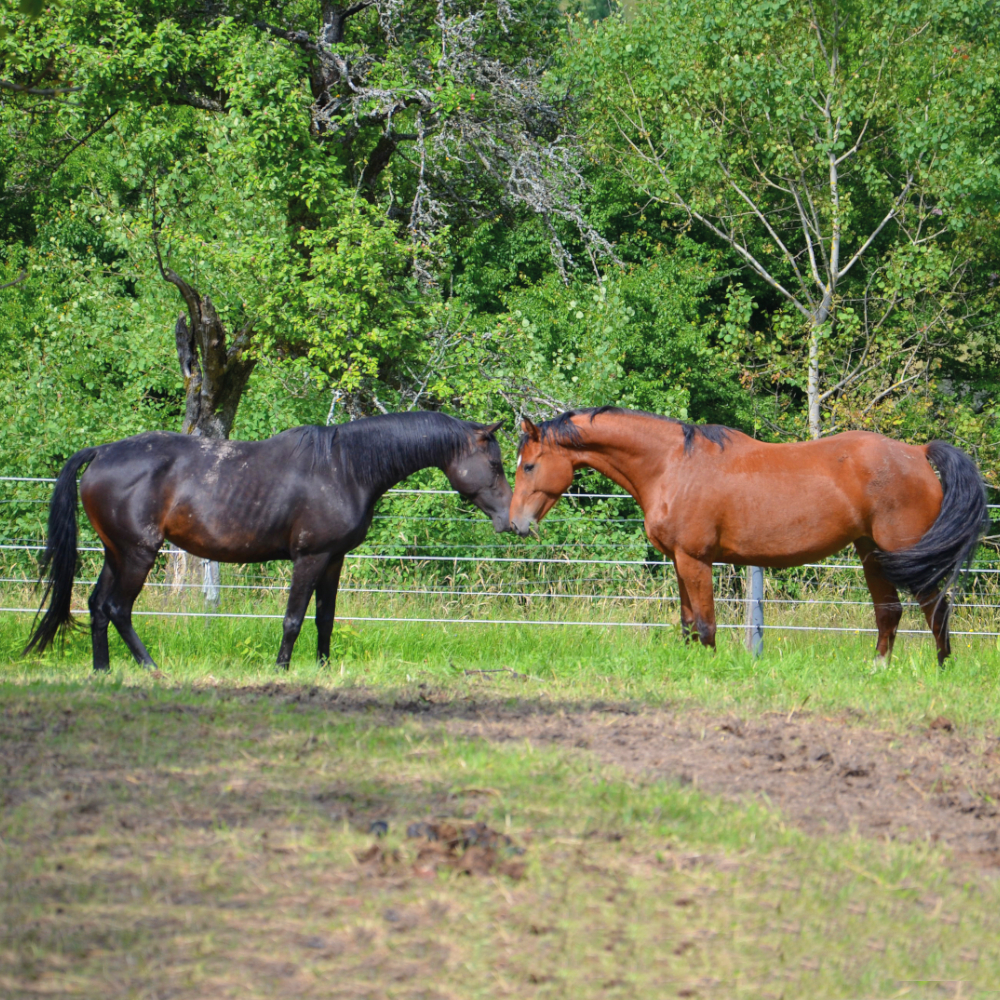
x=564 y=432
x=387 y=448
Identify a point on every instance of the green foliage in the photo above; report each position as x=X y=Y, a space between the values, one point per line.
x=653 y=337
x=840 y=153
x=136 y=128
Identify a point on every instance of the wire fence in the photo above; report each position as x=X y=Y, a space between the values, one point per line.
x=431 y=558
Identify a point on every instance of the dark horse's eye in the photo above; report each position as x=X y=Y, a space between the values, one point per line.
x=529 y=467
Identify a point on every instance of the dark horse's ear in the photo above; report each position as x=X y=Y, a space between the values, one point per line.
x=532 y=432
x=489 y=430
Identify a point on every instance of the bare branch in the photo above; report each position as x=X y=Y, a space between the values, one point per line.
x=21 y=277
x=890 y=215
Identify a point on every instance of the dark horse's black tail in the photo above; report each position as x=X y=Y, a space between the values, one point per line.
x=935 y=561
x=59 y=558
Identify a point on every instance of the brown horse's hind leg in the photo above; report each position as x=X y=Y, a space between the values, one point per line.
x=305 y=575
x=695 y=579
x=128 y=582
x=937 y=611
x=326 y=606
x=885 y=597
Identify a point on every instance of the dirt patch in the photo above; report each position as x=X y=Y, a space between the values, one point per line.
x=824 y=773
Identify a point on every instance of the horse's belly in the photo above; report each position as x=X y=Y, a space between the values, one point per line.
x=228 y=551
x=223 y=539
x=789 y=531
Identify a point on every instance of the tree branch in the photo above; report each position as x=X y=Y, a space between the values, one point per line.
x=891 y=214
x=17 y=280
x=20 y=88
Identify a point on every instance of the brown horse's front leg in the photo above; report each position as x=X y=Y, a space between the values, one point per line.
x=687 y=613
x=695 y=578
x=937 y=611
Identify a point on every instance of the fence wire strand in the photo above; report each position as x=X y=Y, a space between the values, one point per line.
x=267 y=584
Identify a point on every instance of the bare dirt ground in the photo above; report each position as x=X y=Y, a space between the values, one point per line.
x=824 y=773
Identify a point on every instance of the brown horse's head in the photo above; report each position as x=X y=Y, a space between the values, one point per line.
x=477 y=474
x=544 y=473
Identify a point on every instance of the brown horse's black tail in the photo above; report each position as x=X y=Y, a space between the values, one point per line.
x=58 y=561
x=950 y=542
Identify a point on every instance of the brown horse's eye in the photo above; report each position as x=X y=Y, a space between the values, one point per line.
x=529 y=467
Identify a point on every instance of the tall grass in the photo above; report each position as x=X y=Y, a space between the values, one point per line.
x=824 y=671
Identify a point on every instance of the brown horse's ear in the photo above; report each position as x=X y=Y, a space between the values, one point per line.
x=532 y=432
x=490 y=429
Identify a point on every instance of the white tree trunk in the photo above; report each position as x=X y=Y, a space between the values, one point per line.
x=812 y=383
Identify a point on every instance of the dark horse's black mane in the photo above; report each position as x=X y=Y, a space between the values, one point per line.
x=564 y=432
x=385 y=448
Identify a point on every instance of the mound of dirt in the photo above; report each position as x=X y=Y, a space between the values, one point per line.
x=824 y=773
x=474 y=849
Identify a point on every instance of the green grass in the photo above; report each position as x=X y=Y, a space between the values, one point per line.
x=828 y=671
x=187 y=834
x=167 y=839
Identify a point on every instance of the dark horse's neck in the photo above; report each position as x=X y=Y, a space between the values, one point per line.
x=381 y=451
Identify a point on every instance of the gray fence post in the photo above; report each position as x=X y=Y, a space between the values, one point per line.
x=754 y=592
x=211 y=583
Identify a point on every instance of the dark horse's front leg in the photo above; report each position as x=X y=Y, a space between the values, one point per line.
x=306 y=573
x=326 y=605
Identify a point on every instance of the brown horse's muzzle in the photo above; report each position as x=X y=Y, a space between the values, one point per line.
x=522 y=525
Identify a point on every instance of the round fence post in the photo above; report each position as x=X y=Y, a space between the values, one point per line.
x=754 y=591
x=211 y=585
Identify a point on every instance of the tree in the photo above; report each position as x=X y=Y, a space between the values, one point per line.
x=836 y=148
x=267 y=146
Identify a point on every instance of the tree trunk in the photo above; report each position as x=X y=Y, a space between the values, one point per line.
x=820 y=317
x=214 y=379
x=812 y=382
x=214 y=376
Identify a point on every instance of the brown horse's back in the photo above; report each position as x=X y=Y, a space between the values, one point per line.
x=784 y=504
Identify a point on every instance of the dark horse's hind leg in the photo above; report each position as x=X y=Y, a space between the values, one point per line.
x=306 y=573
x=326 y=605
x=128 y=579
x=885 y=597
x=937 y=611
x=99 y=617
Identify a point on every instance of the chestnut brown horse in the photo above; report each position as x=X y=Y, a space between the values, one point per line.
x=307 y=495
x=712 y=494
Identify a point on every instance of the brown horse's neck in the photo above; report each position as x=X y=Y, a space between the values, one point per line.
x=632 y=451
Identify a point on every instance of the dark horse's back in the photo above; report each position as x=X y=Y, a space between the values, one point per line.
x=232 y=501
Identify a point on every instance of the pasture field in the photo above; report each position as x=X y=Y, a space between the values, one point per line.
x=691 y=825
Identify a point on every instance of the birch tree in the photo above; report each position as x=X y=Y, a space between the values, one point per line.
x=825 y=143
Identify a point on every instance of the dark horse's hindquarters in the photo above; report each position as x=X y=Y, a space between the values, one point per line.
x=306 y=495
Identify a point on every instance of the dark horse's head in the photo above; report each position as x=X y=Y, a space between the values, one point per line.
x=477 y=474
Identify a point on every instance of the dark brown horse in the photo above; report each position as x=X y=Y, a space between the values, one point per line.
x=305 y=495
x=711 y=494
